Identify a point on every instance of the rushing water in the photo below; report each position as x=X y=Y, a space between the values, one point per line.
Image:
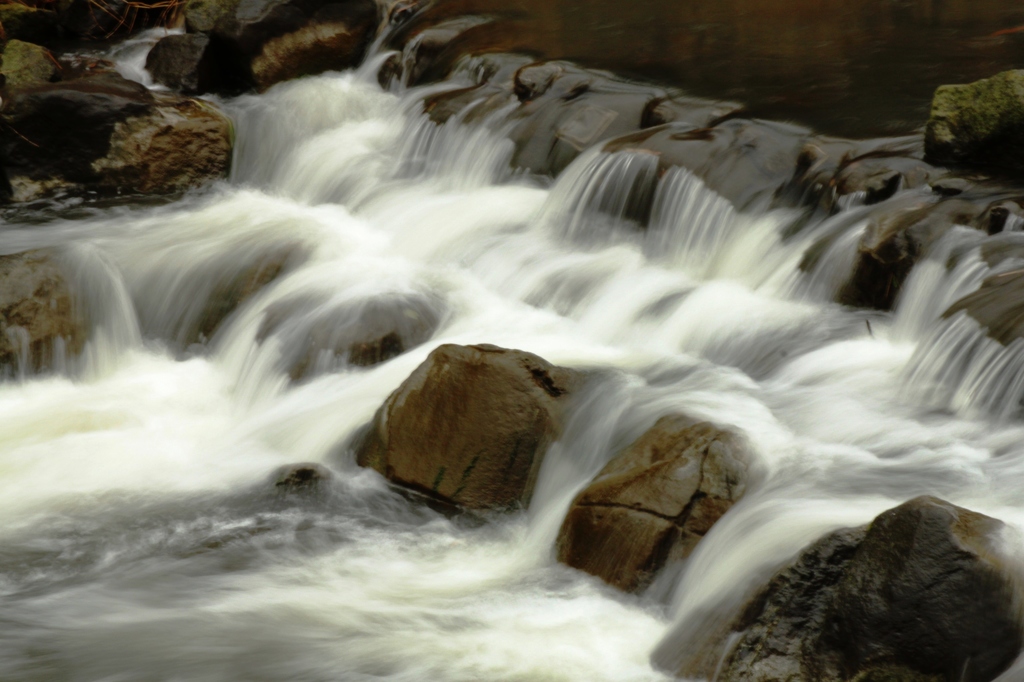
x=142 y=538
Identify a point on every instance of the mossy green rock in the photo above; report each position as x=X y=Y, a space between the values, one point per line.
x=25 y=64
x=201 y=16
x=979 y=124
x=21 y=22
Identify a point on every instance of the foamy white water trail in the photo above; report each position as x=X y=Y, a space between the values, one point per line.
x=143 y=538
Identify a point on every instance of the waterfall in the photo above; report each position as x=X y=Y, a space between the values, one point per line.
x=144 y=535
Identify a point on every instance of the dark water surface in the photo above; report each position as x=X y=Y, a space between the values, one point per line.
x=848 y=67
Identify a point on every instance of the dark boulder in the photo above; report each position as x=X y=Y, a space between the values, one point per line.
x=566 y=109
x=744 y=160
x=258 y=43
x=653 y=502
x=39 y=320
x=184 y=63
x=979 y=124
x=897 y=239
x=430 y=54
x=921 y=594
x=470 y=427
x=31 y=24
x=103 y=134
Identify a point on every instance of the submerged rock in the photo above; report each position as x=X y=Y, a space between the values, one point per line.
x=920 y=594
x=39 y=322
x=23 y=64
x=316 y=336
x=301 y=478
x=981 y=123
x=104 y=134
x=470 y=427
x=998 y=306
x=653 y=502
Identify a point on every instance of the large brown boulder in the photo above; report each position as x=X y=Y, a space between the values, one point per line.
x=470 y=427
x=39 y=321
x=257 y=43
x=103 y=134
x=922 y=594
x=654 y=502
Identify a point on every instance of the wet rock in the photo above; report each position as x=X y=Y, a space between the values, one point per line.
x=102 y=19
x=183 y=63
x=429 y=55
x=998 y=306
x=23 y=64
x=981 y=123
x=653 y=502
x=301 y=478
x=230 y=290
x=920 y=594
x=317 y=337
x=258 y=43
x=31 y=24
x=700 y=113
x=39 y=322
x=566 y=109
x=494 y=77
x=470 y=427
x=107 y=135
x=896 y=240
x=747 y=161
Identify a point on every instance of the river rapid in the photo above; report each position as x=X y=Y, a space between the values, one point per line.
x=143 y=538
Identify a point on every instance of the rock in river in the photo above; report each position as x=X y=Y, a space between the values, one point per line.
x=39 y=322
x=981 y=123
x=654 y=502
x=470 y=427
x=921 y=594
x=103 y=134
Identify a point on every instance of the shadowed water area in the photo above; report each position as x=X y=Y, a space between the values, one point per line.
x=154 y=526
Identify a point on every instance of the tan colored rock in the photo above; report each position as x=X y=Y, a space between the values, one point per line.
x=39 y=322
x=654 y=502
x=470 y=426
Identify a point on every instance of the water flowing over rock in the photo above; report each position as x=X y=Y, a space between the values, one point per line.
x=105 y=135
x=470 y=426
x=40 y=325
x=981 y=123
x=922 y=593
x=653 y=502
x=317 y=336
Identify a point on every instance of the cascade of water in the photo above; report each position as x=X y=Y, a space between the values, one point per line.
x=351 y=216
